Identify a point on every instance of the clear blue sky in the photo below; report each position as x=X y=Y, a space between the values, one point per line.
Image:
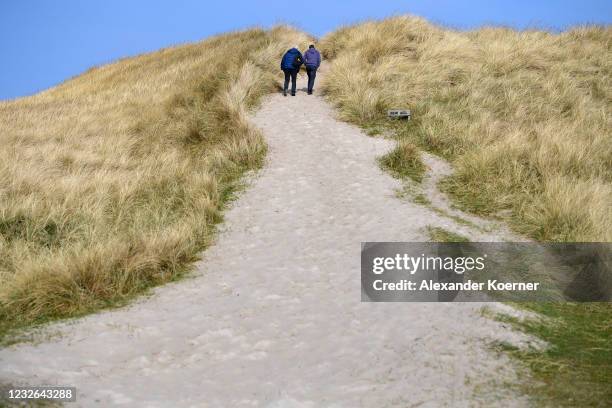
x=44 y=42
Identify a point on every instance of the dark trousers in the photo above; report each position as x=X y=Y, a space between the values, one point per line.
x=290 y=73
x=312 y=74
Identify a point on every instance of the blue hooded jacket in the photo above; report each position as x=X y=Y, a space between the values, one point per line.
x=289 y=58
x=312 y=58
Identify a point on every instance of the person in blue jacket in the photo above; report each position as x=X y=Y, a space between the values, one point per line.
x=312 y=60
x=290 y=64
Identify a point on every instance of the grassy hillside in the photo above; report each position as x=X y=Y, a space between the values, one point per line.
x=525 y=118
x=112 y=182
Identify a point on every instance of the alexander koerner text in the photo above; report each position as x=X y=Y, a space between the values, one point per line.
x=469 y=285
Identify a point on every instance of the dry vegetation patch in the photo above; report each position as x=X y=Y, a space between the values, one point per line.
x=113 y=181
x=523 y=116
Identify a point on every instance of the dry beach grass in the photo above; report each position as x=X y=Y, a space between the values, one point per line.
x=523 y=116
x=112 y=181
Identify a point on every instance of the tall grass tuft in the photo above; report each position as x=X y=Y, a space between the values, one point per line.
x=404 y=161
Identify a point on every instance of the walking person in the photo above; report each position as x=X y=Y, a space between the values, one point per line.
x=290 y=64
x=312 y=60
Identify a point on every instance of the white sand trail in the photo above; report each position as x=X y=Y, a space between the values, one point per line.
x=273 y=317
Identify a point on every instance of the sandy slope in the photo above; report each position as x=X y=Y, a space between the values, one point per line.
x=273 y=315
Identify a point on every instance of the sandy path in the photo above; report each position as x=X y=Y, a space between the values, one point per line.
x=273 y=315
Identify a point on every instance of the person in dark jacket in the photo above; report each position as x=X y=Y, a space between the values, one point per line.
x=312 y=60
x=290 y=64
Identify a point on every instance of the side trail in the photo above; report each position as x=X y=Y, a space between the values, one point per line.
x=272 y=316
